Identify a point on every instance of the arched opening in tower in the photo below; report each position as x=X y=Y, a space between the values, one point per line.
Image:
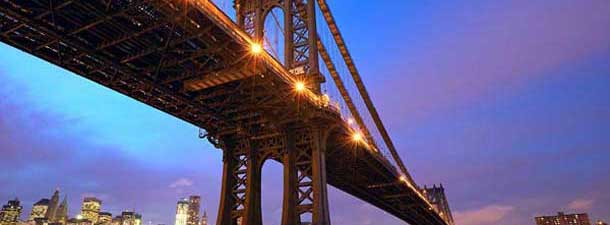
x=272 y=192
x=274 y=34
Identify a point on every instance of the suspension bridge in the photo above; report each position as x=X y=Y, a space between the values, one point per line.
x=256 y=96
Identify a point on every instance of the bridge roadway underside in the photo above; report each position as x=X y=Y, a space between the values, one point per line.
x=186 y=59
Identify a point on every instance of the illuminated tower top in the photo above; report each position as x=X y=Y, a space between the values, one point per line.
x=193 y=210
x=182 y=212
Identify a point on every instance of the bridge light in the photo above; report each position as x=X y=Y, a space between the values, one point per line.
x=299 y=86
x=326 y=98
x=357 y=136
x=256 y=48
x=350 y=121
x=403 y=178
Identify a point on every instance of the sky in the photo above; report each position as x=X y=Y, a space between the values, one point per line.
x=506 y=103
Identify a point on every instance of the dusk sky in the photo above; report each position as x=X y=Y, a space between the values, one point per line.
x=506 y=103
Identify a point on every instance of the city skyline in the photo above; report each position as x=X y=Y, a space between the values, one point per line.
x=185 y=207
x=91 y=208
x=503 y=102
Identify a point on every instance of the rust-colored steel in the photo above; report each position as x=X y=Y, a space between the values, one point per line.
x=188 y=59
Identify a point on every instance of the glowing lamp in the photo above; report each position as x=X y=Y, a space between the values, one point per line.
x=256 y=48
x=403 y=178
x=357 y=136
x=299 y=86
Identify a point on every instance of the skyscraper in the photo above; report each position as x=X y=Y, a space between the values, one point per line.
x=204 y=218
x=193 y=210
x=182 y=212
x=11 y=212
x=53 y=205
x=39 y=210
x=104 y=218
x=564 y=219
x=61 y=216
x=128 y=218
x=91 y=209
x=138 y=219
x=118 y=220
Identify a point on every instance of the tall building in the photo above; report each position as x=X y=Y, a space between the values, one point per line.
x=204 y=218
x=436 y=196
x=91 y=209
x=118 y=220
x=39 y=210
x=182 y=212
x=127 y=218
x=56 y=212
x=193 y=210
x=564 y=219
x=11 y=212
x=104 y=218
x=61 y=216
x=53 y=205
x=138 y=219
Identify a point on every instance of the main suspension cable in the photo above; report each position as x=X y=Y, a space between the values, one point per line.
x=334 y=29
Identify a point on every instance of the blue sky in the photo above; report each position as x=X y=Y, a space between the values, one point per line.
x=504 y=102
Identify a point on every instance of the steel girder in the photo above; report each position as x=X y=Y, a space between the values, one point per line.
x=175 y=42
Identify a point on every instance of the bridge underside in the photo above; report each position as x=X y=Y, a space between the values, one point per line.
x=187 y=59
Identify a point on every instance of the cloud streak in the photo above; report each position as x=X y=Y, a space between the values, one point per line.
x=182 y=182
x=490 y=214
x=581 y=204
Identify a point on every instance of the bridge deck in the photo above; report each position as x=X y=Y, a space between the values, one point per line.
x=192 y=62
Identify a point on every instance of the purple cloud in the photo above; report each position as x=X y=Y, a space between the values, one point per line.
x=490 y=214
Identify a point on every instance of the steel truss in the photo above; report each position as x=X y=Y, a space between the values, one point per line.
x=182 y=59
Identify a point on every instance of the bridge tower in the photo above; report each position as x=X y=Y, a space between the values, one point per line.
x=438 y=199
x=300 y=33
x=300 y=148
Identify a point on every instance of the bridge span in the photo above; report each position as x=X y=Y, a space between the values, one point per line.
x=188 y=59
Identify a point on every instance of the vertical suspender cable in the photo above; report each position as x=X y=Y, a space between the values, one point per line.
x=346 y=97
x=334 y=29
